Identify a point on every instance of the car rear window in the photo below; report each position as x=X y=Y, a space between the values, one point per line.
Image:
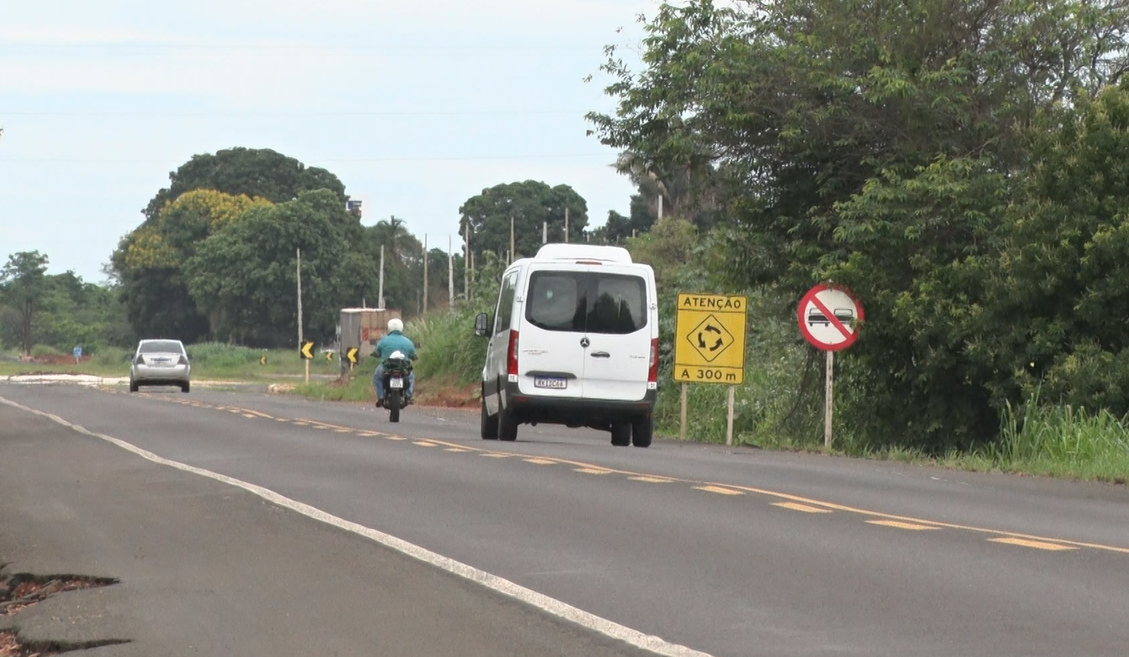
x=588 y=302
x=161 y=347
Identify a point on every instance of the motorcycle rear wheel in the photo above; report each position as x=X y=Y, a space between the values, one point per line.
x=393 y=405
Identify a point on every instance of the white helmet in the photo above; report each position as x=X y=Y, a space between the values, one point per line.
x=398 y=354
x=395 y=324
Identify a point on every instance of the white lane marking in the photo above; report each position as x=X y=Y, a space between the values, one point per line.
x=501 y=585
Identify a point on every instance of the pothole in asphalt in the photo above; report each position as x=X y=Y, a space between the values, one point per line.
x=24 y=589
x=11 y=646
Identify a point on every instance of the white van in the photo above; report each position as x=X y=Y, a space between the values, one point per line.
x=574 y=340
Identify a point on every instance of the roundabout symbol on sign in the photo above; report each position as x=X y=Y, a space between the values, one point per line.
x=710 y=338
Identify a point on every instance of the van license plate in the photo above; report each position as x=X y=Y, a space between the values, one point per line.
x=396 y=382
x=544 y=382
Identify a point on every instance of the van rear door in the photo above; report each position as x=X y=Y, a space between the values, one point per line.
x=551 y=341
x=618 y=328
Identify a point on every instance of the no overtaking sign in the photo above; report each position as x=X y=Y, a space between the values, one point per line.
x=829 y=317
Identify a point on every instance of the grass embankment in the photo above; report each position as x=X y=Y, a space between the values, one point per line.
x=447 y=372
x=210 y=361
x=779 y=406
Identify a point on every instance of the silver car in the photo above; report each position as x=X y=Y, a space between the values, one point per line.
x=160 y=363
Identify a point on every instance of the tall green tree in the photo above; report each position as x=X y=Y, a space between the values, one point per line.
x=403 y=263
x=874 y=143
x=207 y=192
x=246 y=273
x=255 y=172
x=532 y=205
x=22 y=284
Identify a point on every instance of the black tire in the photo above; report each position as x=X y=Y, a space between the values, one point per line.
x=642 y=430
x=393 y=399
x=507 y=425
x=185 y=387
x=621 y=433
x=133 y=387
x=489 y=424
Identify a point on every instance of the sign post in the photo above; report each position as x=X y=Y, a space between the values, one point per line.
x=709 y=345
x=829 y=317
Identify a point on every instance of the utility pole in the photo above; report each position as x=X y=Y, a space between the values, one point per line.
x=544 y=232
x=300 y=337
x=566 y=224
x=511 y=240
x=450 y=274
x=660 y=204
x=425 y=259
x=380 y=293
x=468 y=264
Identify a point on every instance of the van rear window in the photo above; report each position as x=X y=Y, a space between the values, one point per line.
x=586 y=302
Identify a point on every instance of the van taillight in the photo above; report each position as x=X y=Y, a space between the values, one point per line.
x=511 y=356
x=653 y=372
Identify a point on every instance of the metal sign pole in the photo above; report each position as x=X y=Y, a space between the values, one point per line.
x=682 y=420
x=828 y=395
x=729 y=419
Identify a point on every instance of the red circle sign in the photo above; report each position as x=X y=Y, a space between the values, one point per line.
x=828 y=317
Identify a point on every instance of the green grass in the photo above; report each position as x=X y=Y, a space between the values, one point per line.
x=210 y=361
x=449 y=349
x=1062 y=441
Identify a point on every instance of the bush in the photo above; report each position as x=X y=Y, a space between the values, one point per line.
x=219 y=355
x=448 y=346
x=41 y=350
x=111 y=356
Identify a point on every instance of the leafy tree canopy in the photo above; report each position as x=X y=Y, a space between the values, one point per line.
x=246 y=171
x=532 y=205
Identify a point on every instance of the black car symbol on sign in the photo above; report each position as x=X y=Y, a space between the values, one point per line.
x=816 y=316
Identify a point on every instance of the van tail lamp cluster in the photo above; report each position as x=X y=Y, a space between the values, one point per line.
x=653 y=371
x=511 y=357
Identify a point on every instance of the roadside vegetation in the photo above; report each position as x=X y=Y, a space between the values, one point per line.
x=210 y=361
x=963 y=168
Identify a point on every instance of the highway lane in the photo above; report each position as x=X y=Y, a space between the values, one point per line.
x=733 y=552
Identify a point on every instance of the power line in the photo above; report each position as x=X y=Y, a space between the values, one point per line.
x=257 y=114
x=273 y=50
x=44 y=160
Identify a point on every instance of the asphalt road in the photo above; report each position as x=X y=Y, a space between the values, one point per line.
x=272 y=525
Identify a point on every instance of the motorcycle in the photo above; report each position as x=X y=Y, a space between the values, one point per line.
x=397 y=369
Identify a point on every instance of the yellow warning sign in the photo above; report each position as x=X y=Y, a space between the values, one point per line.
x=709 y=343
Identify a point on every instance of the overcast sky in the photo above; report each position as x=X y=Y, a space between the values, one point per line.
x=415 y=104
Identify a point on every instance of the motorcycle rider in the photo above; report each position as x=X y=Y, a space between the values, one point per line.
x=394 y=340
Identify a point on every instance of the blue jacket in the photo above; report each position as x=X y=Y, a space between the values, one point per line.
x=395 y=341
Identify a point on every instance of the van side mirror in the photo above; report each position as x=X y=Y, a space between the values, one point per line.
x=482 y=325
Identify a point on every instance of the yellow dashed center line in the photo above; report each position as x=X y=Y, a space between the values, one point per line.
x=800 y=507
x=1038 y=545
x=788 y=501
x=424 y=443
x=248 y=415
x=540 y=461
x=720 y=490
x=901 y=525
